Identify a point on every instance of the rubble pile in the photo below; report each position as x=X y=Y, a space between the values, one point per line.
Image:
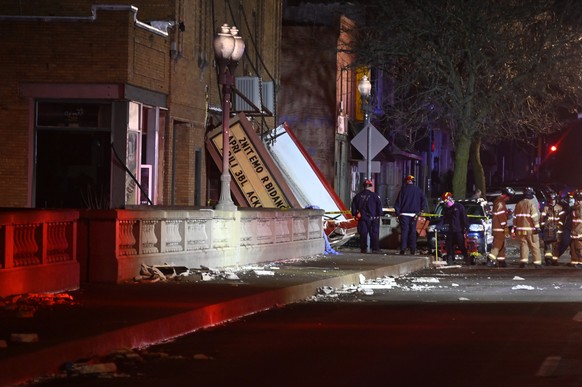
x=122 y=363
x=25 y=305
x=156 y=273
x=365 y=287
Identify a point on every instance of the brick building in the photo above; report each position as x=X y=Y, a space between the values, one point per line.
x=100 y=100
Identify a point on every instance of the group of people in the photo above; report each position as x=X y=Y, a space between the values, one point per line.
x=559 y=224
x=411 y=202
x=367 y=209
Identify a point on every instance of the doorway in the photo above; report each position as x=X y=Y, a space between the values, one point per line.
x=72 y=169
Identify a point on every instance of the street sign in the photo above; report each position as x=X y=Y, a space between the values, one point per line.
x=360 y=142
x=362 y=165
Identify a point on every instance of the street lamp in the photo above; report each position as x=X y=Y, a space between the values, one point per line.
x=228 y=49
x=365 y=88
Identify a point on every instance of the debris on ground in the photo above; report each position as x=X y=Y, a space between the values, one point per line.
x=26 y=305
x=24 y=337
x=365 y=287
x=522 y=287
x=156 y=273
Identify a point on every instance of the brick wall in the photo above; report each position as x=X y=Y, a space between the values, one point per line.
x=112 y=50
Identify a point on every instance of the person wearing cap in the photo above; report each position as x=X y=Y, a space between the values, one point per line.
x=567 y=202
x=527 y=229
x=499 y=226
x=410 y=202
x=552 y=223
x=456 y=222
x=367 y=209
x=576 y=232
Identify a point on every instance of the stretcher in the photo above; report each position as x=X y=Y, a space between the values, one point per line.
x=471 y=243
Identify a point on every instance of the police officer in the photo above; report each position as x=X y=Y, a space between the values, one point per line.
x=455 y=219
x=527 y=228
x=367 y=208
x=499 y=228
x=410 y=202
x=552 y=223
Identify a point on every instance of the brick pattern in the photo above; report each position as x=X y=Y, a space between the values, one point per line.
x=111 y=49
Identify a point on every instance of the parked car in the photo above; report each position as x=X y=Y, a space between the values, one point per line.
x=479 y=235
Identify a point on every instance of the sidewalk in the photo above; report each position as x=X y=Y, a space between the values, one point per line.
x=106 y=317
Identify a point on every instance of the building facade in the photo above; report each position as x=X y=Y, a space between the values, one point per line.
x=108 y=105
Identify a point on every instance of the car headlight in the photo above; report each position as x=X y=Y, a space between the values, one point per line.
x=476 y=227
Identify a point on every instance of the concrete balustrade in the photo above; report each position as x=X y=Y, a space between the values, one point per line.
x=113 y=244
x=38 y=251
x=55 y=250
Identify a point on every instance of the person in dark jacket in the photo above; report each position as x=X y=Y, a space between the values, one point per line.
x=456 y=222
x=367 y=208
x=567 y=203
x=410 y=202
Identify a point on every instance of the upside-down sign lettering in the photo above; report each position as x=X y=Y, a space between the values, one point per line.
x=249 y=169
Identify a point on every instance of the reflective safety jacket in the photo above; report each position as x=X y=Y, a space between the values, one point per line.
x=553 y=215
x=525 y=217
x=499 y=219
x=576 y=232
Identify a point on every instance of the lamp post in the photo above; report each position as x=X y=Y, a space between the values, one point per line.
x=228 y=49
x=365 y=88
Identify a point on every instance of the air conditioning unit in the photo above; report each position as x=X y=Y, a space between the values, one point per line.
x=269 y=96
x=250 y=87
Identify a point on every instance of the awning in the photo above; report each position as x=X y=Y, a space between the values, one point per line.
x=392 y=153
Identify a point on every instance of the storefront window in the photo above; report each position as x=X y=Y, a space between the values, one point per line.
x=73 y=115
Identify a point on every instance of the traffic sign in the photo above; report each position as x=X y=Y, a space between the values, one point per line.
x=378 y=142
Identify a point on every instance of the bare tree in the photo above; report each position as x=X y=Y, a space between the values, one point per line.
x=487 y=70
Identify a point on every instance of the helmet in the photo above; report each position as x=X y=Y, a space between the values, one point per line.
x=367 y=183
x=508 y=191
x=446 y=196
x=528 y=192
x=553 y=196
x=409 y=178
x=578 y=195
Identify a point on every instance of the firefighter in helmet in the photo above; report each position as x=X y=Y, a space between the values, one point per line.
x=527 y=228
x=499 y=227
x=552 y=224
x=576 y=232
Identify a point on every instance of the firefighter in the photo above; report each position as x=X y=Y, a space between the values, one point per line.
x=456 y=222
x=527 y=229
x=499 y=227
x=552 y=224
x=576 y=232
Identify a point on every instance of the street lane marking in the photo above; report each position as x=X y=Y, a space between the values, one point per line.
x=549 y=366
x=578 y=317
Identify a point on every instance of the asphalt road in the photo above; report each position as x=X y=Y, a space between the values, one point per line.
x=453 y=326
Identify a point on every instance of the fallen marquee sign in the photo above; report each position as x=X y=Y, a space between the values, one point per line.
x=280 y=176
